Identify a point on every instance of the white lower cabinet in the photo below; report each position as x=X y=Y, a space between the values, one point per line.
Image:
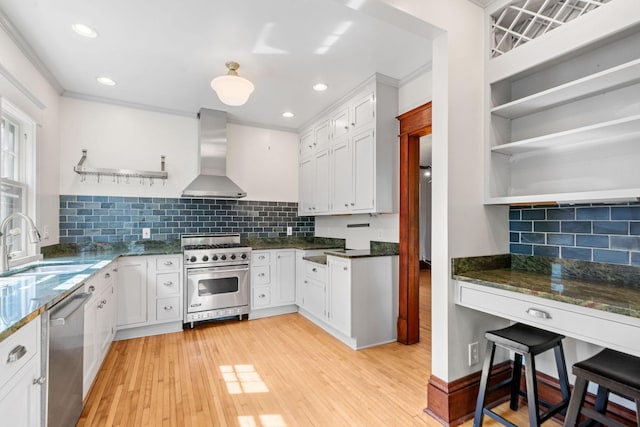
x=132 y=291
x=273 y=282
x=99 y=322
x=339 y=295
x=354 y=299
x=20 y=372
x=149 y=295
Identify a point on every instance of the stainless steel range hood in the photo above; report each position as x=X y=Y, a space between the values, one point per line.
x=213 y=182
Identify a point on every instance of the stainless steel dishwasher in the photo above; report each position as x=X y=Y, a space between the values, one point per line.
x=66 y=347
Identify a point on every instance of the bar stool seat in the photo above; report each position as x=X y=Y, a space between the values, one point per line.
x=526 y=342
x=612 y=371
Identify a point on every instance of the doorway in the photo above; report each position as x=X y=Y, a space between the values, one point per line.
x=414 y=124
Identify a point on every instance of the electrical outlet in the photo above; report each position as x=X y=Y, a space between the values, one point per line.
x=146 y=233
x=474 y=357
x=289 y=231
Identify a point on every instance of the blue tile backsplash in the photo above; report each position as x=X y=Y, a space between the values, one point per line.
x=115 y=219
x=597 y=233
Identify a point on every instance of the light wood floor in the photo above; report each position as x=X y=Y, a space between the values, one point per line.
x=279 y=371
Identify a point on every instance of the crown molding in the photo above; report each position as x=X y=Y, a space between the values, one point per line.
x=28 y=52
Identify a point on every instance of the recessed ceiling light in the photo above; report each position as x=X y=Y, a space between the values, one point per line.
x=288 y=114
x=107 y=81
x=85 y=31
x=319 y=87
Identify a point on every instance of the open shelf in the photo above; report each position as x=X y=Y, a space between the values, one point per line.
x=612 y=130
x=612 y=78
x=600 y=196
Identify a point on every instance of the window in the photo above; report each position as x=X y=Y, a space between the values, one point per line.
x=17 y=178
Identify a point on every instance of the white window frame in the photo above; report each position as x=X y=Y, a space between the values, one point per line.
x=27 y=178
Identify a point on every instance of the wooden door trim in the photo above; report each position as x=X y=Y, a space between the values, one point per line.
x=413 y=125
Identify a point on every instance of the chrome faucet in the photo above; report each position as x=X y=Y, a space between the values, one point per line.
x=34 y=237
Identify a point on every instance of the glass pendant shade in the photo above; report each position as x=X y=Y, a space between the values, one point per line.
x=231 y=88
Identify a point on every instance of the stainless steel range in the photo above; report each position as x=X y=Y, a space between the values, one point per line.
x=216 y=272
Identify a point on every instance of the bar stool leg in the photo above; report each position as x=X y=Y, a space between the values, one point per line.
x=484 y=379
x=602 y=399
x=562 y=374
x=532 y=389
x=515 y=381
x=579 y=392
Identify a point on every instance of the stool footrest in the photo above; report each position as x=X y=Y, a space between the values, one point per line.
x=502 y=420
x=499 y=385
x=554 y=410
x=597 y=416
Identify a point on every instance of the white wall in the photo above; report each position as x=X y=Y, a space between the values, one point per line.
x=24 y=86
x=262 y=161
x=462 y=225
x=415 y=92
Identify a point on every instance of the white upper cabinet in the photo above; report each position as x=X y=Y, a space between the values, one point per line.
x=362 y=132
x=565 y=126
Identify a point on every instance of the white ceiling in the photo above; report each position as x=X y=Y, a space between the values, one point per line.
x=163 y=54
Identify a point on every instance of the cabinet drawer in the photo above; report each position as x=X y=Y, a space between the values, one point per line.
x=167 y=284
x=168 y=308
x=574 y=321
x=168 y=263
x=260 y=258
x=261 y=296
x=315 y=271
x=20 y=348
x=260 y=275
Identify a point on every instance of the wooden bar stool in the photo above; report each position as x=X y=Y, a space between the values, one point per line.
x=612 y=371
x=526 y=342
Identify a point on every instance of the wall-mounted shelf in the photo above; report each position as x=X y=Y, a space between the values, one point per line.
x=119 y=173
x=612 y=78
x=600 y=196
x=600 y=132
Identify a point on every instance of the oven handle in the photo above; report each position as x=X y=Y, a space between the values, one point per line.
x=216 y=270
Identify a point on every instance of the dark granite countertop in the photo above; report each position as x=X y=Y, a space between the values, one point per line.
x=606 y=287
x=376 y=249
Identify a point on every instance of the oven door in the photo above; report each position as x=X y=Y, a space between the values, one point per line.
x=217 y=287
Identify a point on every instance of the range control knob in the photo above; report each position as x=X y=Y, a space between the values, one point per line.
x=214 y=258
x=205 y=258
x=233 y=256
x=193 y=259
x=223 y=257
x=244 y=256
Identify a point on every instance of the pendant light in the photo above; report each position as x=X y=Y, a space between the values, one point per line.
x=231 y=88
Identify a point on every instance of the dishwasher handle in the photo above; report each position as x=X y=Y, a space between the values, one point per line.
x=60 y=315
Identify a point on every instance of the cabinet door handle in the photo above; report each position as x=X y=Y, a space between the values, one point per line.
x=353 y=124
x=315 y=270
x=168 y=283
x=168 y=307
x=353 y=204
x=541 y=314
x=92 y=289
x=39 y=381
x=262 y=296
x=16 y=354
x=168 y=263
x=107 y=275
x=310 y=146
x=345 y=268
x=101 y=305
x=306 y=281
x=261 y=257
x=104 y=301
x=260 y=274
